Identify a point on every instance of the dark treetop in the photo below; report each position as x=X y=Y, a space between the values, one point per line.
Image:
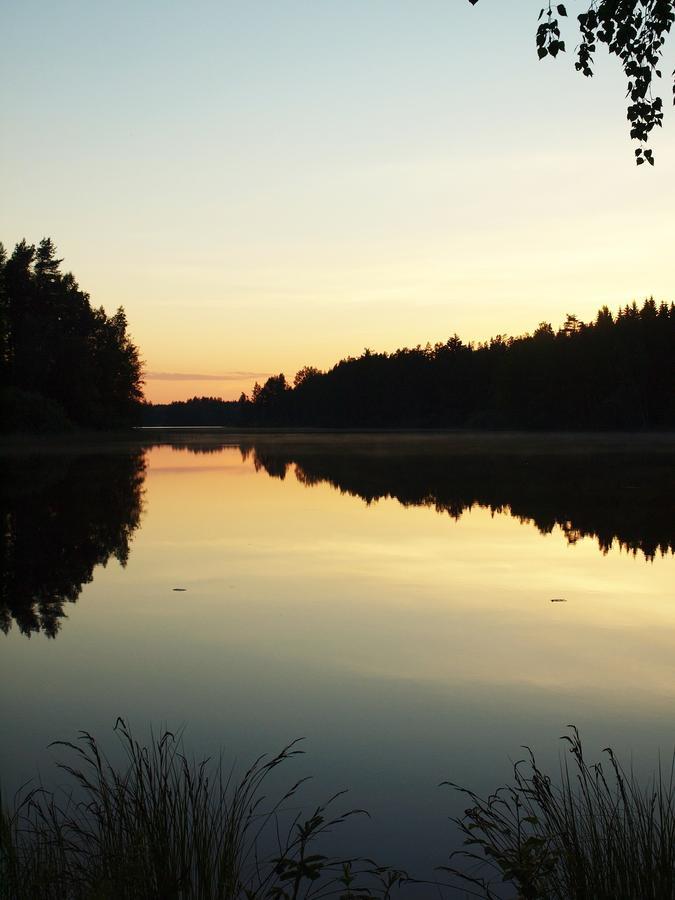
x=61 y=360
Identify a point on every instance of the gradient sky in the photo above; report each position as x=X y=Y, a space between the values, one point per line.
x=273 y=183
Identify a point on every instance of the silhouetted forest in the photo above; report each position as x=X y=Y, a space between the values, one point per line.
x=62 y=517
x=617 y=372
x=195 y=412
x=61 y=360
x=618 y=496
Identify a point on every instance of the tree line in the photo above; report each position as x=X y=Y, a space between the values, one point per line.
x=198 y=411
x=62 y=361
x=615 y=372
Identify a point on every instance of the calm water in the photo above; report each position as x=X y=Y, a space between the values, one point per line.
x=389 y=599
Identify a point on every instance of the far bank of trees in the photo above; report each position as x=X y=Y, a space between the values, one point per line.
x=62 y=361
x=196 y=412
x=616 y=372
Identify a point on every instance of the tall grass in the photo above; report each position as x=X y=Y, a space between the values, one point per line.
x=164 y=827
x=595 y=834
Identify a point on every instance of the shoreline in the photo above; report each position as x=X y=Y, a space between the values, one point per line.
x=463 y=441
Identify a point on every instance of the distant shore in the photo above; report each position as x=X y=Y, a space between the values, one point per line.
x=461 y=441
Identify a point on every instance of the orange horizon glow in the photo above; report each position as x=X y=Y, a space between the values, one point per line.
x=172 y=386
x=168 y=390
x=263 y=192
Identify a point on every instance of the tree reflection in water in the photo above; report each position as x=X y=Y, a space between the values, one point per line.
x=618 y=495
x=63 y=516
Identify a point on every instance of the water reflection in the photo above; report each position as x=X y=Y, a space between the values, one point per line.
x=619 y=497
x=406 y=647
x=62 y=516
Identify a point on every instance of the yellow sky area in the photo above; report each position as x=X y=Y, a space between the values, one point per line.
x=247 y=323
x=399 y=255
x=166 y=391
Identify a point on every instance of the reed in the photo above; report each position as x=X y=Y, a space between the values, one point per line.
x=165 y=827
x=162 y=826
x=596 y=833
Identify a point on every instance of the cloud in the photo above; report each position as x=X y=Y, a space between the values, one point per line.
x=201 y=376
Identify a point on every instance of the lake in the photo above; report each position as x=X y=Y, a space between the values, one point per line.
x=416 y=607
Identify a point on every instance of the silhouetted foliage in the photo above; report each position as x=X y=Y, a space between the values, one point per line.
x=634 y=31
x=61 y=517
x=614 y=373
x=55 y=345
x=26 y=411
x=590 y=831
x=165 y=826
x=599 y=488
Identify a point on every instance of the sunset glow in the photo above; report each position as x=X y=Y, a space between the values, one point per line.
x=264 y=186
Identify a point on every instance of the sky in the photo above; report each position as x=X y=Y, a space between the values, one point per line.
x=274 y=183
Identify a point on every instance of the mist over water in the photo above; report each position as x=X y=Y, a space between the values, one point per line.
x=389 y=598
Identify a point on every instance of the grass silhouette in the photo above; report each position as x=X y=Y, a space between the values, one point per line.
x=163 y=826
x=166 y=827
x=596 y=833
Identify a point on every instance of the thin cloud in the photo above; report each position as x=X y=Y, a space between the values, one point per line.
x=201 y=376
